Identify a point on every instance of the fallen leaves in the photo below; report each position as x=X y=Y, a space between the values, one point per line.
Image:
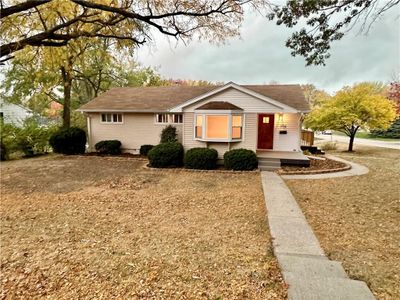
x=103 y=227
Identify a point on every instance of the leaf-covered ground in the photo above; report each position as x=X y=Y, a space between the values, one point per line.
x=357 y=219
x=105 y=228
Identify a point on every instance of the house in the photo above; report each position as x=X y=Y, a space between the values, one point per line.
x=14 y=114
x=264 y=118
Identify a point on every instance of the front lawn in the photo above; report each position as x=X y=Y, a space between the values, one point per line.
x=357 y=219
x=106 y=228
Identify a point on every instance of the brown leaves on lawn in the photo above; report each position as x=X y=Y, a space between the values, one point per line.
x=105 y=228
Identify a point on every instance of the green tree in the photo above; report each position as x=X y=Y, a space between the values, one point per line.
x=352 y=108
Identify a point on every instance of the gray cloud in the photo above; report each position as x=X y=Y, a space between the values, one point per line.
x=260 y=56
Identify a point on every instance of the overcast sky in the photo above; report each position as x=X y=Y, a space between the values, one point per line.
x=260 y=56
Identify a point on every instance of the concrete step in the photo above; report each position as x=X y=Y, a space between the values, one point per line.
x=310 y=266
x=309 y=288
x=268 y=159
x=269 y=163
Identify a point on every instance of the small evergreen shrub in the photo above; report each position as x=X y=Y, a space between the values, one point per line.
x=112 y=147
x=144 y=149
x=69 y=141
x=201 y=158
x=166 y=155
x=240 y=160
x=169 y=135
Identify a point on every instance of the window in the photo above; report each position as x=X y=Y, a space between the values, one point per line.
x=111 y=118
x=199 y=126
x=177 y=118
x=236 y=127
x=217 y=126
x=169 y=118
x=162 y=118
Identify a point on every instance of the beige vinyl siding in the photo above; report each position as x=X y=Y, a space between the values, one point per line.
x=246 y=102
x=291 y=140
x=188 y=132
x=137 y=129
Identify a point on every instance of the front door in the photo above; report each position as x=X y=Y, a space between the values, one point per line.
x=265 y=131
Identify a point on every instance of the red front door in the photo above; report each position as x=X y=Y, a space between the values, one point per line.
x=265 y=131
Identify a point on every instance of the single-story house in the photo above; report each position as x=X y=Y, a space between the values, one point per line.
x=264 y=118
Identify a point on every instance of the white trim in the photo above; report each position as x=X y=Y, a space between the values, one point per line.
x=169 y=119
x=112 y=117
x=278 y=104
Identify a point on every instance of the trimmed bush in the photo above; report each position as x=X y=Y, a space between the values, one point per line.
x=201 y=158
x=69 y=141
x=166 y=155
x=169 y=135
x=144 y=149
x=240 y=160
x=112 y=147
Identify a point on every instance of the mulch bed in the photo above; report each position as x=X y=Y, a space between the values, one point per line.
x=125 y=155
x=316 y=166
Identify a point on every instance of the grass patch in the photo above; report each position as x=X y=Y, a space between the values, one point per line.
x=104 y=227
x=367 y=135
x=356 y=219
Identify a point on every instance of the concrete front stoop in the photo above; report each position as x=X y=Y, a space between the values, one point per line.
x=269 y=163
x=305 y=268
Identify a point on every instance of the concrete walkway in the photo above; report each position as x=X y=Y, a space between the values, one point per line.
x=355 y=170
x=305 y=268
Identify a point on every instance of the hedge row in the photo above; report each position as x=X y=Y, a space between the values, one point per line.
x=171 y=155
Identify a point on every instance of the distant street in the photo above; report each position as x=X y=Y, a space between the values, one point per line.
x=360 y=141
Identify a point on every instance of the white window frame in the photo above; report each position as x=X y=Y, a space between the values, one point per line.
x=112 y=118
x=169 y=118
x=230 y=114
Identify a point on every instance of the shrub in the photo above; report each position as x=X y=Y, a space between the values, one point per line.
x=393 y=132
x=166 y=155
x=169 y=135
x=30 y=139
x=201 y=158
x=329 y=146
x=69 y=141
x=144 y=149
x=112 y=147
x=240 y=160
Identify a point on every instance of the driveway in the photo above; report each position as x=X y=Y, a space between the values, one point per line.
x=360 y=141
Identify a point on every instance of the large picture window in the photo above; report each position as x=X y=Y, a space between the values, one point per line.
x=218 y=127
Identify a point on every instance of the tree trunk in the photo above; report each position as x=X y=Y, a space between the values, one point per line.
x=352 y=136
x=67 y=83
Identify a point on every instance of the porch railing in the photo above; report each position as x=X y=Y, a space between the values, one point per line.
x=307 y=138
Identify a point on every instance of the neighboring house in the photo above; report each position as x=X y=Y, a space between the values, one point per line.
x=13 y=113
x=263 y=118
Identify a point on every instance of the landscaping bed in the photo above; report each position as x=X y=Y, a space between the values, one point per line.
x=318 y=165
x=105 y=228
x=356 y=219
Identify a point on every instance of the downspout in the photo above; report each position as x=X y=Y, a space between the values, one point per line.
x=89 y=128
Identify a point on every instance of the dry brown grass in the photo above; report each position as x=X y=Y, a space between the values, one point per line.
x=357 y=219
x=93 y=227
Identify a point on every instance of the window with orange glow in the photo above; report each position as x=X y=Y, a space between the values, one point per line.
x=236 y=127
x=199 y=126
x=217 y=127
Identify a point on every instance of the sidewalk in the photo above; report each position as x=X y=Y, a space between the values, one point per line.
x=305 y=268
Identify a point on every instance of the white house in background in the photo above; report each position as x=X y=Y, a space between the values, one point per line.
x=264 y=118
x=13 y=114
